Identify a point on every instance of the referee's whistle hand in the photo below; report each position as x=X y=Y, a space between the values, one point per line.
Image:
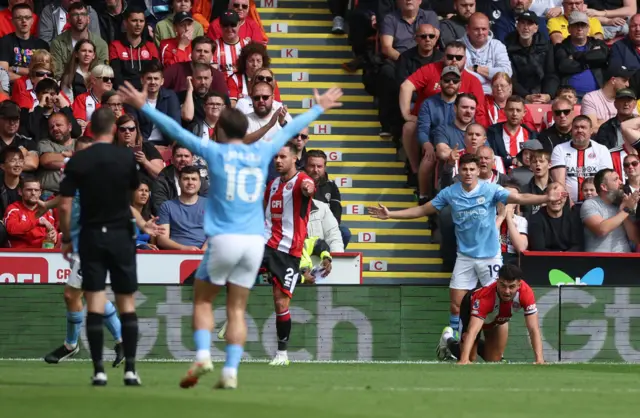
x=131 y=96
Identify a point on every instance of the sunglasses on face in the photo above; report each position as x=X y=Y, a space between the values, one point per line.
x=304 y=137
x=450 y=80
x=426 y=35
x=559 y=112
x=452 y=57
x=108 y=79
x=258 y=98
x=631 y=164
x=264 y=78
x=124 y=129
x=240 y=6
x=43 y=74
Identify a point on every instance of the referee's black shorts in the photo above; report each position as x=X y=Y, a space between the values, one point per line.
x=108 y=250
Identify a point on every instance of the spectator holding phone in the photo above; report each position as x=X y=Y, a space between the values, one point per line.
x=147 y=156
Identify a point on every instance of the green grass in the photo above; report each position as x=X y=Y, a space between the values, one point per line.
x=33 y=390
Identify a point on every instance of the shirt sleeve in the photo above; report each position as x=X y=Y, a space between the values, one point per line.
x=69 y=183
x=501 y=194
x=442 y=199
x=595 y=27
x=164 y=215
x=553 y=25
x=439 y=136
x=528 y=300
x=605 y=161
x=388 y=25
x=557 y=158
x=588 y=107
x=45 y=147
x=589 y=208
x=6 y=52
x=151 y=152
x=481 y=306
x=31 y=145
x=522 y=224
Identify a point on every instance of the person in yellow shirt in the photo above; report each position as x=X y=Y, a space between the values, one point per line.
x=558 y=27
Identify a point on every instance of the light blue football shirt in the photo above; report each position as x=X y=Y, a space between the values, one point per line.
x=474 y=217
x=238 y=172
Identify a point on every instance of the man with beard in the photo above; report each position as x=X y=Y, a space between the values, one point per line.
x=454 y=28
x=263 y=111
x=54 y=152
x=198 y=86
x=572 y=162
x=447 y=137
x=175 y=76
x=608 y=225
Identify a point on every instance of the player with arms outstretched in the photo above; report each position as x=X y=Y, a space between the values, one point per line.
x=73 y=288
x=234 y=221
x=287 y=203
x=488 y=310
x=473 y=206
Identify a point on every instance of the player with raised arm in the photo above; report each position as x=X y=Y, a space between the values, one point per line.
x=488 y=310
x=73 y=288
x=234 y=221
x=473 y=207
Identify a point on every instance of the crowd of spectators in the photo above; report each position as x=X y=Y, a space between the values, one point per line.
x=61 y=62
x=463 y=77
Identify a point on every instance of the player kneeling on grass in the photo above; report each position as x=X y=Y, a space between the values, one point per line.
x=489 y=310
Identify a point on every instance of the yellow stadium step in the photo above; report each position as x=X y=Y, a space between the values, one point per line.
x=303 y=61
x=371 y=177
x=319 y=71
x=292 y=98
x=343 y=138
x=326 y=48
x=293 y=22
x=398 y=205
x=382 y=192
x=281 y=35
x=293 y=11
x=390 y=246
x=372 y=164
x=404 y=260
x=367 y=218
x=352 y=112
x=389 y=151
x=317 y=85
x=407 y=275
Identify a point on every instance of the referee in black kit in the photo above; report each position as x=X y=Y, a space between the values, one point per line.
x=105 y=176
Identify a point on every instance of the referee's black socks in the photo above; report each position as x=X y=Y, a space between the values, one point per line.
x=129 y=339
x=95 y=335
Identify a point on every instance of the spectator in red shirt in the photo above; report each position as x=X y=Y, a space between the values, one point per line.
x=23 y=91
x=248 y=28
x=178 y=49
x=6 y=24
x=127 y=54
x=24 y=228
x=100 y=81
x=502 y=88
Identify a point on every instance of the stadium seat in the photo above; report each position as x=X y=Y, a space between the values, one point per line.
x=538 y=111
x=166 y=156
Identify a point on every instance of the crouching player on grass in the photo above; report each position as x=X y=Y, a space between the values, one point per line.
x=489 y=310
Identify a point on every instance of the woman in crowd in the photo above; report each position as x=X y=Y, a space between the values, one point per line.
x=140 y=201
x=23 y=92
x=112 y=99
x=263 y=75
x=213 y=106
x=76 y=72
x=501 y=90
x=147 y=156
x=252 y=58
x=100 y=81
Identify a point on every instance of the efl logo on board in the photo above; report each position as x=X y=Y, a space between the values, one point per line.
x=188 y=268
x=24 y=270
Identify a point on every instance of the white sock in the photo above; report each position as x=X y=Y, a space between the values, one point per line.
x=281 y=353
x=229 y=372
x=203 y=355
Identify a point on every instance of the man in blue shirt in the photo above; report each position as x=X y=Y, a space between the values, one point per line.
x=234 y=221
x=473 y=207
x=436 y=111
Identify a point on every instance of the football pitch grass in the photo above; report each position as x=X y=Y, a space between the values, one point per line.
x=30 y=389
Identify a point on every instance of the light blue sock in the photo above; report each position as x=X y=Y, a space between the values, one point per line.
x=234 y=355
x=112 y=322
x=202 y=338
x=454 y=322
x=74 y=322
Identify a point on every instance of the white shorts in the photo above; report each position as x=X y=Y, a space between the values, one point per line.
x=75 y=278
x=468 y=271
x=232 y=258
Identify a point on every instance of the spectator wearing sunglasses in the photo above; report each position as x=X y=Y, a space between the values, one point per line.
x=167 y=27
x=148 y=158
x=23 y=92
x=248 y=27
x=266 y=119
x=100 y=81
x=63 y=45
x=16 y=48
x=263 y=75
x=631 y=171
x=560 y=131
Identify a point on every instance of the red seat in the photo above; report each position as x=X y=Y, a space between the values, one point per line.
x=538 y=111
x=166 y=156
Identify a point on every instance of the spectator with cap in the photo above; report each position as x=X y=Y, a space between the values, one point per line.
x=581 y=59
x=9 y=126
x=167 y=28
x=624 y=52
x=507 y=23
x=599 y=104
x=523 y=172
x=229 y=45
x=558 y=26
x=178 y=48
x=610 y=132
x=532 y=60
x=248 y=27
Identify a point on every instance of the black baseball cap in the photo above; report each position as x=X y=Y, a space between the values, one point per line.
x=528 y=15
x=181 y=17
x=9 y=110
x=229 y=18
x=618 y=71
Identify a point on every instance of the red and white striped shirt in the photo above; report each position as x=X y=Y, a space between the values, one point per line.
x=287 y=214
x=513 y=142
x=617 y=158
x=237 y=85
x=84 y=105
x=226 y=55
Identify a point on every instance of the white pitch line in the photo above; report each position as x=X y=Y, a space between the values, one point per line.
x=463 y=390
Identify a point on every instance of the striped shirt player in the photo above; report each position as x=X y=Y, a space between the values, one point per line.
x=287 y=211
x=226 y=55
x=84 y=105
x=580 y=164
